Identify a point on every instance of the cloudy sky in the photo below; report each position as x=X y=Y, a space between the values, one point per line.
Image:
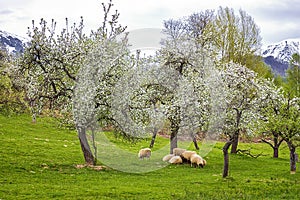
x=277 y=19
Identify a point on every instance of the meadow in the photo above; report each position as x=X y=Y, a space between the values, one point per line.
x=39 y=161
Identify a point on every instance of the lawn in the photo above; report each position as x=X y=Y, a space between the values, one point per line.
x=38 y=161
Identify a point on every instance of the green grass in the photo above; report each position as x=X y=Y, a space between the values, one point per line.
x=38 y=162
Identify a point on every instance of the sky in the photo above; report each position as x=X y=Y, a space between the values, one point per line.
x=277 y=19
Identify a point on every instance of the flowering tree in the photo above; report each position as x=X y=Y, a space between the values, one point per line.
x=53 y=65
x=50 y=64
x=242 y=95
x=283 y=118
x=94 y=85
x=269 y=107
x=186 y=50
x=287 y=124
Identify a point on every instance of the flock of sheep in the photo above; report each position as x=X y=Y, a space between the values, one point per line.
x=179 y=156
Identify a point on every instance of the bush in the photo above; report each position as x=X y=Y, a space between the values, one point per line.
x=12 y=95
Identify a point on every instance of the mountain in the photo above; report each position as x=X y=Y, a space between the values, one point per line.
x=278 y=55
x=12 y=43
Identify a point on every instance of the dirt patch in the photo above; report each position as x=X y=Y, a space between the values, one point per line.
x=95 y=167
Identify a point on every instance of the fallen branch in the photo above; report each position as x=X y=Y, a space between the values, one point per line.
x=248 y=153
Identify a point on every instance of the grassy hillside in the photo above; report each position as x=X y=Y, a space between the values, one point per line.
x=38 y=161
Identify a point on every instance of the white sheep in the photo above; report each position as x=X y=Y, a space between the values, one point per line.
x=198 y=160
x=144 y=153
x=175 y=160
x=187 y=155
x=167 y=157
x=178 y=151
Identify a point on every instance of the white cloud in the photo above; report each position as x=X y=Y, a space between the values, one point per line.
x=276 y=18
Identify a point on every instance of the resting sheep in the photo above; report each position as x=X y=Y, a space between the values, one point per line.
x=198 y=160
x=178 y=151
x=187 y=155
x=144 y=153
x=175 y=160
x=168 y=157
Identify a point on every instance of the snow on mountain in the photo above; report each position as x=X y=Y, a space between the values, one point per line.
x=11 y=42
x=278 y=55
x=283 y=51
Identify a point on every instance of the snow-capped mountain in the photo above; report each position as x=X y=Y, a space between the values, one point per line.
x=278 y=55
x=12 y=43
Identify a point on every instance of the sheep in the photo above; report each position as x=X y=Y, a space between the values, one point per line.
x=178 y=151
x=144 y=153
x=175 y=160
x=198 y=160
x=187 y=155
x=167 y=157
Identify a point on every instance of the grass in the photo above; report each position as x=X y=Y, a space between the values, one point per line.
x=38 y=161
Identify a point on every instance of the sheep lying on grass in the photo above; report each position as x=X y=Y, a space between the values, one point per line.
x=178 y=151
x=175 y=160
x=144 y=153
x=183 y=156
x=198 y=160
x=168 y=157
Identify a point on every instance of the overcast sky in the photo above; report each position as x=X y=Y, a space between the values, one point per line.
x=277 y=19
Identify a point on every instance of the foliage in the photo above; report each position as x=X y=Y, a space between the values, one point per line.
x=281 y=117
x=292 y=86
x=257 y=64
x=12 y=97
x=235 y=37
x=280 y=114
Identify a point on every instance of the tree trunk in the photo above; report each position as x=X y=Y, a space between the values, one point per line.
x=195 y=143
x=85 y=147
x=174 y=131
x=153 y=139
x=226 y=158
x=173 y=141
x=292 y=157
x=235 y=142
x=236 y=134
x=276 y=145
x=33 y=118
x=275 y=151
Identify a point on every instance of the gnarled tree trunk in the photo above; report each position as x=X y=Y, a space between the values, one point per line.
x=235 y=141
x=153 y=139
x=274 y=146
x=173 y=137
x=85 y=147
x=236 y=134
x=226 y=158
x=194 y=138
x=292 y=157
x=275 y=152
x=173 y=141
